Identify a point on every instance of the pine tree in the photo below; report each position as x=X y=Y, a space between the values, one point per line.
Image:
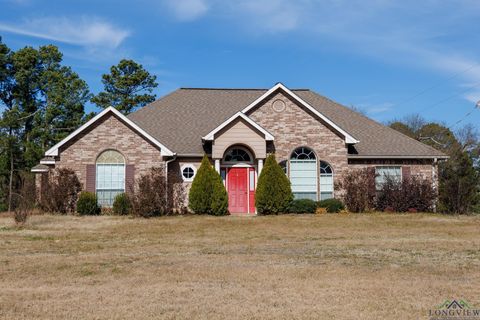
x=274 y=192
x=458 y=184
x=127 y=87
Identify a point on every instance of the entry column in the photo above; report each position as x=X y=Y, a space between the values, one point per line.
x=260 y=166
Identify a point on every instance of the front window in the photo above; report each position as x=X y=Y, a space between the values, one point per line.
x=110 y=177
x=326 y=181
x=382 y=172
x=303 y=173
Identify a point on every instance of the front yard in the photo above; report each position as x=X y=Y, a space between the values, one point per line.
x=332 y=266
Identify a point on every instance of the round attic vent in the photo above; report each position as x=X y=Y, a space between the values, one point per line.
x=278 y=105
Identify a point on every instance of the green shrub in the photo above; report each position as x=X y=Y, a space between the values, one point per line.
x=302 y=206
x=207 y=194
x=87 y=204
x=274 y=192
x=121 y=204
x=219 y=206
x=332 y=205
x=200 y=194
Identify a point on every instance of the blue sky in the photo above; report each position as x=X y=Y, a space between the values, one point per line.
x=388 y=58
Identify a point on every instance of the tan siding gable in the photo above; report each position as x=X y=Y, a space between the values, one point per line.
x=239 y=132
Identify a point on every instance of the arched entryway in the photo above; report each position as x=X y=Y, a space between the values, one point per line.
x=239 y=175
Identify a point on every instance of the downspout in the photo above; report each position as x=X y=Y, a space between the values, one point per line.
x=166 y=176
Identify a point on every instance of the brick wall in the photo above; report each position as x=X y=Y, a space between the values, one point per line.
x=108 y=133
x=295 y=127
x=419 y=168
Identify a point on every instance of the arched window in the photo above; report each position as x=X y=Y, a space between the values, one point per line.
x=110 y=176
x=303 y=153
x=326 y=181
x=303 y=173
x=237 y=155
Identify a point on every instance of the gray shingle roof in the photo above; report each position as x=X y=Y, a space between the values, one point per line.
x=180 y=119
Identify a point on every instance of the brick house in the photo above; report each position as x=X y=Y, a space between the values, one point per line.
x=315 y=140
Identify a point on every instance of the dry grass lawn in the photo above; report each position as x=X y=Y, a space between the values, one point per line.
x=375 y=266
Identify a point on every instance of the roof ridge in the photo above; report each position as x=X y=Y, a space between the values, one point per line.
x=236 y=89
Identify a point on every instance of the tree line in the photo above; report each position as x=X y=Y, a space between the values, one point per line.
x=459 y=177
x=42 y=101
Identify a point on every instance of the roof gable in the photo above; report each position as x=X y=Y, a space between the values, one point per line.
x=211 y=135
x=53 y=151
x=349 y=139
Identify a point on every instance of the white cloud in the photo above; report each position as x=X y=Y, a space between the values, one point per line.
x=84 y=31
x=270 y=15
x=187 y=10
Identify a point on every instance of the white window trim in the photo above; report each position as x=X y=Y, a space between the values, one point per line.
x=317 y=169
x=388 y=166
x=191 y=166
x=320 y=177
x=124 y=176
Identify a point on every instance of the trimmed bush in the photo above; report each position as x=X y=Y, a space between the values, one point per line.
x=200 y=195
x=302 y=206
x=219 y=206
x=208 y=194
x=274 y=193
x=359 y=188
x=332 y=205
x=87 y=204
x=121 y=204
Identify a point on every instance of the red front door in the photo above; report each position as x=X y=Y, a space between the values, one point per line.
x=237 y=180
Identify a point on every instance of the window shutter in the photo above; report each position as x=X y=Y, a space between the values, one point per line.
x=90 y=181
x=129 y=178
x=406 y=172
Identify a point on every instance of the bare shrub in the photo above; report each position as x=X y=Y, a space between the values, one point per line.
x=177 y=194
x=23 y=200
x=409 y=195
x=359 y=189
x=60 y=191
x=150 y=197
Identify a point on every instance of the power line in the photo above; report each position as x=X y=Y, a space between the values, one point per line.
x=453 y=76
x=476 y=107
x=450 y=97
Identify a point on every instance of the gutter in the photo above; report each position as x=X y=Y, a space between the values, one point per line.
x=397 y=157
